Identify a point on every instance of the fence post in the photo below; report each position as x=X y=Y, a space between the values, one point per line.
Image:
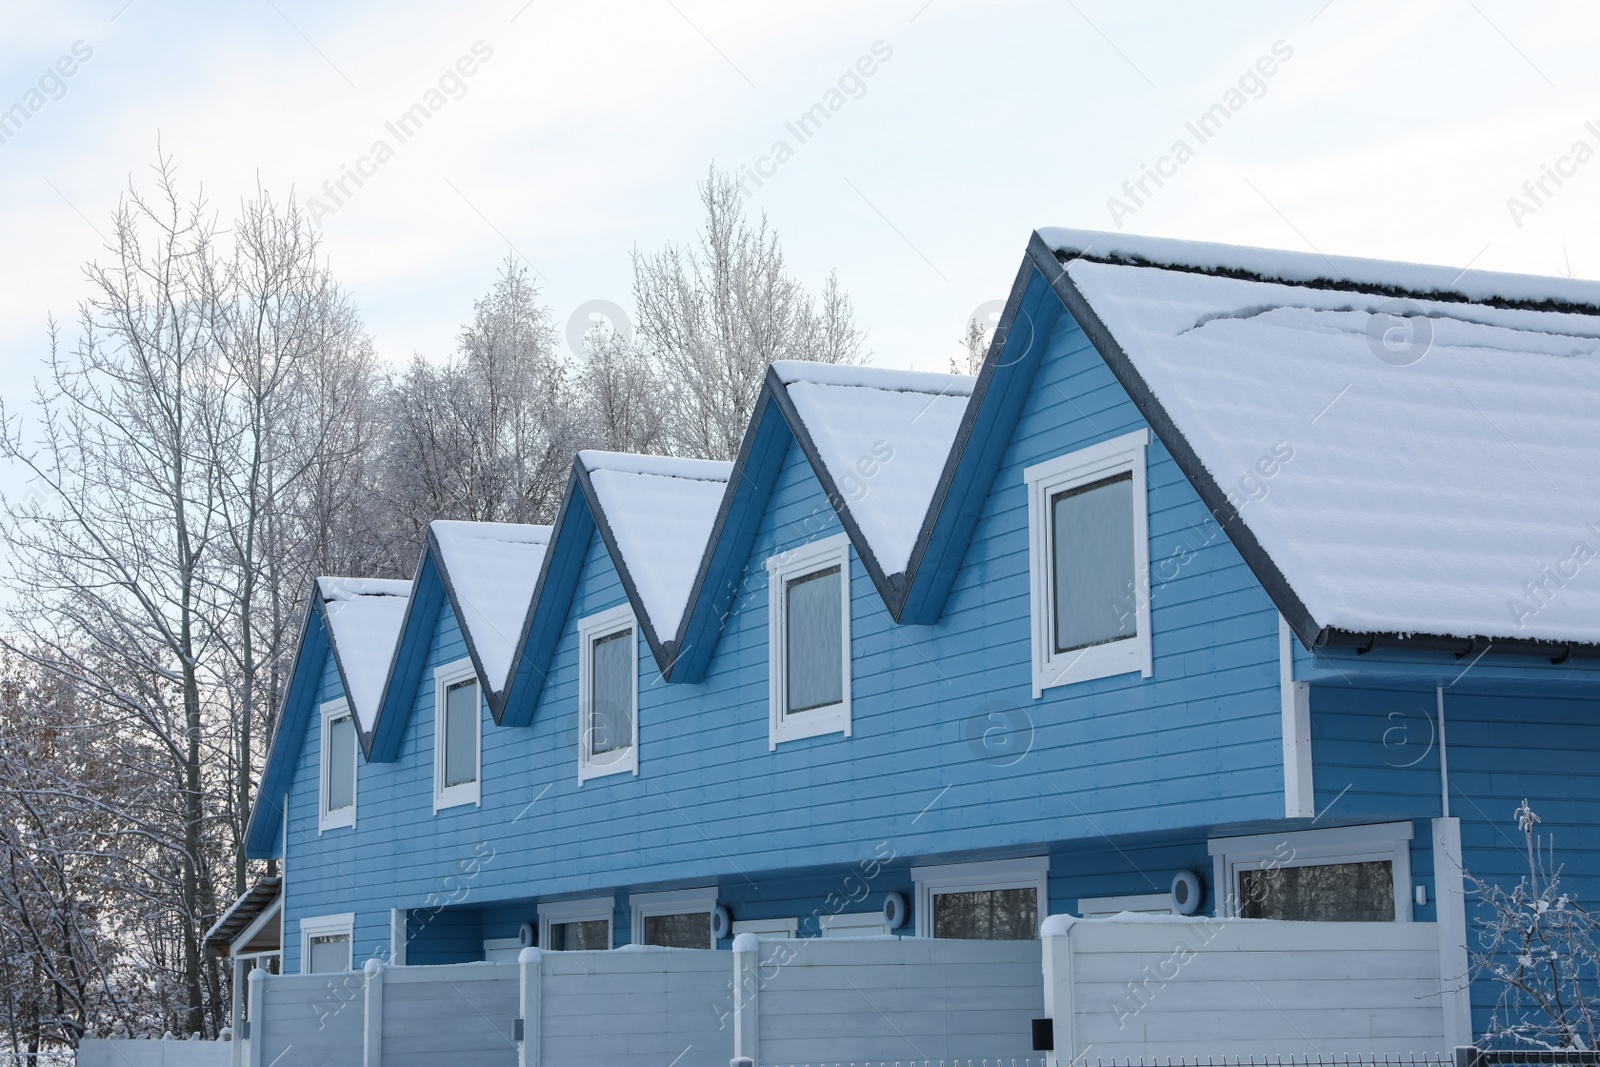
x=530 y=964
x=746 y=991
x=372 y=1016
x=258 y=1016
x=1056 y=956
x=1455 y=976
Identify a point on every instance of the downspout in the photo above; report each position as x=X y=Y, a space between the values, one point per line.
x=1444 y=761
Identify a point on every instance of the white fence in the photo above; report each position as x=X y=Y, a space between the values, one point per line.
x=885 y=1000
x=124 y=1052
x=1145 y=987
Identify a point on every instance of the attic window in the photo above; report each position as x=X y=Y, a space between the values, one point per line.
x=1089 y=563
x=338 y=766
x=608 y=694
x=809 y=640
x=457 y=735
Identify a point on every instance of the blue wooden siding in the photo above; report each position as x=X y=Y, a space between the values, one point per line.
x=1194 y=746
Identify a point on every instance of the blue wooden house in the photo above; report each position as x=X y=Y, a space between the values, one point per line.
x=1253 y=581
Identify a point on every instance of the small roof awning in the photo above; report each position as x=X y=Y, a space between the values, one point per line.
x=253 y=924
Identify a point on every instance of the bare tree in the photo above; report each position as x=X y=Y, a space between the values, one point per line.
x=1543 y=950
x=618 y=393
x=712 y=317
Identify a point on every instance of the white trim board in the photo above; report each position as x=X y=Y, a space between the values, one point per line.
x=444 y=676
x=1295 y=700
x=1029 y=873
x=1309 y=848
x=1137 y=903
x=784 y=567
x=590 y=629
x=1124 y=454
x=854 y=924
x=767 y=927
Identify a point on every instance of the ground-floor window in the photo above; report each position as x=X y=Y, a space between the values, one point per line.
x=325 y=943
x=576 y=925
x=1000 y=901
x=677 y=919
x=1340 y=874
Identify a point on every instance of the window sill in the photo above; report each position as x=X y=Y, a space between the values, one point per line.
x=1127 y=656
x=336 y=821
x=455 y=797
x=589 y=771
x=834 y=719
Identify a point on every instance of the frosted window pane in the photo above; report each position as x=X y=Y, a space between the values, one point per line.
x=1329 y=892
x=1092 y=531
x=689 y=930
x=611 y=720
x=341 y=763
x=330 y=953
x=815 y=644
x=572 y=937
x=461 y=734
x=987 y=915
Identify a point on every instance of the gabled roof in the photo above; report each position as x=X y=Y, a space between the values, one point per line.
x=1402 y=453
x=363 y=617
x=488 y=572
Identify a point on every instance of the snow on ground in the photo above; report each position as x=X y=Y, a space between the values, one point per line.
x=660 y=511
x=492 y=568
x=884 y=436
x=364 y=619
x=1426 y=489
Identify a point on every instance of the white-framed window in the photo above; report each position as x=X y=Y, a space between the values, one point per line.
x=765 y=928
x=337 y=787
x=325 y=943
x=808 y=643
x=608 y=694
x=1089 y=563
x=457 y=735
x=573 y=925
x=677 y=919
x=1339 y=874
x=1003 y=900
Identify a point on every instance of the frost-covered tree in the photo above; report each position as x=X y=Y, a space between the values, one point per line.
x=489 y=434
x=619 y=396
x=1542 y=948
x=714 y=315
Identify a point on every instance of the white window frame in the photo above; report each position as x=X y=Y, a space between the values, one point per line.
x=1312 y=848
x=1137 y=903
x=331 y=820
x=343 y=923
x=642 y=906
x=1120 y=455
x=585 y=910
x=1032 y=872
x=767 y=928
x=444 y=676
x=591 y=629
x=782 y=568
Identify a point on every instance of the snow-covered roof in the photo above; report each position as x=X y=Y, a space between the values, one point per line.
x=884 y=436
x=660 y=512
x=1410 y=465
x=491 y=569
x=364 y=618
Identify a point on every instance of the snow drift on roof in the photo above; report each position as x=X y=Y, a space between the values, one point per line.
x=1298 y=268
x=1429 y=490
x=491 y=568
x=884 y=436
x=660 y=511
x=364 y=619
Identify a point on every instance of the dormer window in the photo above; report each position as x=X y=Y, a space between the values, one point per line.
x=1088 y=560
x=608 y=694
x=338 y=766
x=457 y=735
x=809 y=640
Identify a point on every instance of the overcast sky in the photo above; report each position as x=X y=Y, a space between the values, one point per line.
x=1389 y=130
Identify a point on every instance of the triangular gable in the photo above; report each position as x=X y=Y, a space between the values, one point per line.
x=1431 y=416
x=262 y=839
x=487 y=572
